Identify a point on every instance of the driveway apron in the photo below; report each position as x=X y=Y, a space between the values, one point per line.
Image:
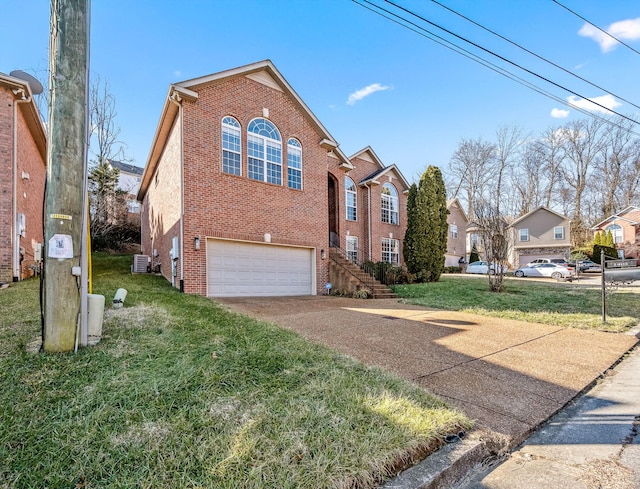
x=509 y=376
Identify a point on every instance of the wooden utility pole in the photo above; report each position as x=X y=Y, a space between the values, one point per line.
x=66 y=171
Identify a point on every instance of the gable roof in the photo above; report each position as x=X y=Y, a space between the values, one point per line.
x=373 y=177
x=263 y=72
x=126 y=167
x=31 y=114
x=522 y=218
x=618 y=216
x=455 y=201
x=370 y=156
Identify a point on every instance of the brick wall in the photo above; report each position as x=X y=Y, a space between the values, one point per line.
x=235 y=207
x=160 y=216
x=30 y=183
x=6 y=169
x=363 y=168
x=29 y=190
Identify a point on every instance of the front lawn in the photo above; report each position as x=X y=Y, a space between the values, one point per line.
x=181 y=393
x=567 y=305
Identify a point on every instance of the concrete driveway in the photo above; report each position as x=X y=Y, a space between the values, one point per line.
x=509 y=376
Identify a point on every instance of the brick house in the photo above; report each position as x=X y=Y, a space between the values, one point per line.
x=23 y=148
x=625 y=229
x=244 y=190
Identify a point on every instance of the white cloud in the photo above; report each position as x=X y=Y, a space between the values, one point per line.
x=177 y=73
x=559 y=113
x=625 y=30
x=365 y=92
x=608 y=103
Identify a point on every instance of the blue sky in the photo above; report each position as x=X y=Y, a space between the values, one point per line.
x=368 y=80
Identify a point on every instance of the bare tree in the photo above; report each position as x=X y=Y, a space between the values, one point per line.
x=550 y=152
x=495 y=238
x=509 y=139
x=582 y=142
x=472 y=165
x=109 y=224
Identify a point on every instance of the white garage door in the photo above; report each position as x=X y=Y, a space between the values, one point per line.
x=241 y=269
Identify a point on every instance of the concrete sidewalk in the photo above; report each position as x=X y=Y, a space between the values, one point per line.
x=508 y=375
x=595 y=442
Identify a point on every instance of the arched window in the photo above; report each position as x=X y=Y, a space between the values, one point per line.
x=264 y=151
x=294 y=164
x=351 y=199
x=616 y=232
x=389 y=204
x=231 y=146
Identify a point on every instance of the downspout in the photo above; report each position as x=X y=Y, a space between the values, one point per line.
x=369 y=219
x=15 y=243
x=177 y=100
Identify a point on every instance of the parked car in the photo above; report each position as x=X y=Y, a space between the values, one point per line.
x=482 y=267
x=587 y=266
x=553 y=270
x=559 y=261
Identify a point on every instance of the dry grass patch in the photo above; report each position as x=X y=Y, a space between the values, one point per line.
x=181 y=393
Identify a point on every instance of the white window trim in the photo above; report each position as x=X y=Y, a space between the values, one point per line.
x=352 y=248
x=555 y=232
x=453 y=231
x=616 y=232
x=354 y=194
x=293 y=146
x=391 y=244
x=238 y=129
x=392 y=203
x=265 y=141
x=520 y=234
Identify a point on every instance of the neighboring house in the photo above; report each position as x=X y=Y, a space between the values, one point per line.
x=625 y=229
x=457 y=234
x=129 y=179
x=541 y=233
x=245 y=191
x=23 y=148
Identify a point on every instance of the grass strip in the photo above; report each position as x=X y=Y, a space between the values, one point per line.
x=567 y=305
x=182 y=393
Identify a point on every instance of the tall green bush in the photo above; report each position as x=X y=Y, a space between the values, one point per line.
x=425 y=242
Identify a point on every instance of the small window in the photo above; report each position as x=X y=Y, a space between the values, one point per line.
x=389 y=204
x=264 y=151
x=231 y=146
x=352 y=248
x=453 y=231
x=524 y=235
x=351 y=197
x=391 y=251
x=558 y=232
x=294 y=164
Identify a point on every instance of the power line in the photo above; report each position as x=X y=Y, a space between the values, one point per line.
x=508 y=61
x=532 y=53
x=594 y=25
x=487 y=64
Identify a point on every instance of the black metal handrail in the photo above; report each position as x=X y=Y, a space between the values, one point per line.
x=378 y=274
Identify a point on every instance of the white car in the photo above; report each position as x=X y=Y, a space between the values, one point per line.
x=552 y=270
x=481 y=267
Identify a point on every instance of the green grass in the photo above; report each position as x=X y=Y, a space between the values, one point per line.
x=181 y=393
x=566 y=305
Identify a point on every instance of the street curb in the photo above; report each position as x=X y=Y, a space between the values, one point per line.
x=446 y=467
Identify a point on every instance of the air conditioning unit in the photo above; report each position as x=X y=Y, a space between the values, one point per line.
x=141 y=263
